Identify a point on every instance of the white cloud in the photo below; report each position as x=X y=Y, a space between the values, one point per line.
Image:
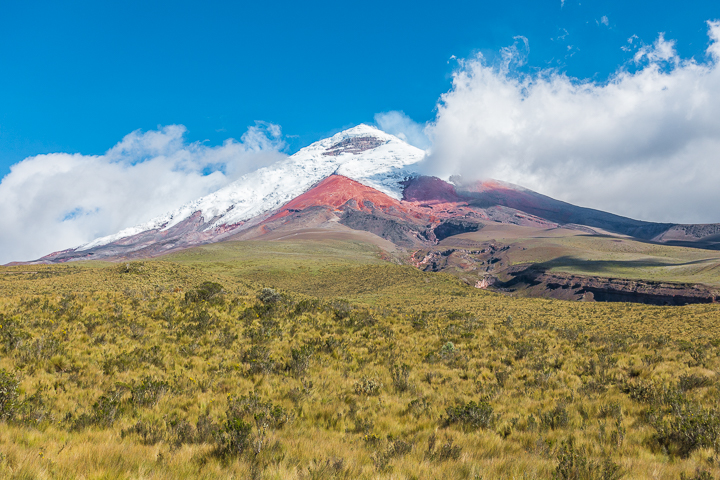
x=660 y=51
x=645 y=144
x=55 y=201
x=405 y=128
x=604 y=20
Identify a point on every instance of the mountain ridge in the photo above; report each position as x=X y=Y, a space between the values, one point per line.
x=383 y=193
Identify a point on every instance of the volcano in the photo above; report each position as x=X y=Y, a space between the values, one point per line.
x=365 y=182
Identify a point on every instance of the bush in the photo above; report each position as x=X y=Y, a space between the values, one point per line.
x=266 y=329
x=235 y=437
x=259 y=360
x=210 y=292
x=522 y=349
x=418 y=407
x=300 y=360
x=8 y=394
x=573 y=464
x=471 y=415
x=368 y=386
x=148 y=392
x=693 y=381
x=700 y=474
x=400 y=377
x=251 y=407
x=104 y=412
x=12 y=336
x=555 y=418
x=687 y=428
x=131 y=267
x=360 y=319
x=447 y=450
x=199 y=323
x=150 y=433
x=268 y=295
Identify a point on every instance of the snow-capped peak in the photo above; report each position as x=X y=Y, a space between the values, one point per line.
x=362 y=153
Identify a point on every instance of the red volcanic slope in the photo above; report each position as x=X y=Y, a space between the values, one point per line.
x=336 y=191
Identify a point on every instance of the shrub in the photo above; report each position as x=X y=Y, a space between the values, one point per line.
x=210 y=292
x=693 y=381
x=226 y=338
x=235 y=437
x=501 y=376
x=573 y=464
x=8 y=394
x=298 y=394
x=400 y=377
x=363 y=425
x=251 y=407
x=447 y=450
x=522 y=349
x=12 y=336
x=555 y=418
x=205 y=429
x=199 y=323
x=300 y=360
x=148 y=392
x=471 y=415
x=150 y=433
x=368 y=386
x=104 y=412
x=611 y=410
x=268 y=296
x=131 y=267
x=259 y=360
x=360 y=319
x=700 y=474
x=263 y=330
x=687 y=428
x=306 y=306
x=419 y=321
x=179 y=430
x=418 y=407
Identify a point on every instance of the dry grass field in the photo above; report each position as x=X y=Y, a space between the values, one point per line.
x=320 y=360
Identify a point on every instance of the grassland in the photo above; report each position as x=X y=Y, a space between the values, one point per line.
x=320 y=360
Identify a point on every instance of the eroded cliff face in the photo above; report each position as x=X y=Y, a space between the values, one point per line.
x=488 y=266
x=535 y=281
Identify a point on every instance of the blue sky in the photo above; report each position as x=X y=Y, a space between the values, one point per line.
x=79 y=75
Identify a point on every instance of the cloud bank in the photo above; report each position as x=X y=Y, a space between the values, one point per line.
x=645 y=144
x=55 y=201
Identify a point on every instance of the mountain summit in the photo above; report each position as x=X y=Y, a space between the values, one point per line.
x=361 y=181
x=362 y=153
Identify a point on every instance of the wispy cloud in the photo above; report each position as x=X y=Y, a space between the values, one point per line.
x=405 y=128
x=54 y=201
x=644 y=144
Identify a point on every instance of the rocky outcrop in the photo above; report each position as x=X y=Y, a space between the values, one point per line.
x=533 y=280
x=450 y=228
x=353 y=145
x=391 y=228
